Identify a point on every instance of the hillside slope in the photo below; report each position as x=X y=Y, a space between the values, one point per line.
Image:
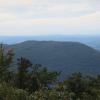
x=67 y=57
x=93 y=41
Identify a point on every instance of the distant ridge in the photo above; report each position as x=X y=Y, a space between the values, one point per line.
x=68 y=57
x=93 y=41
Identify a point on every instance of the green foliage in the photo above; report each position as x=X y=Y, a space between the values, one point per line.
x=10 y=93
x=23 y=65
x=43 y=77
x=5 y=61
x=35 y=82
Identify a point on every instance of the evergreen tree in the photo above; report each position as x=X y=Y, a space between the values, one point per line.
x=22 y=74
x=6 y=58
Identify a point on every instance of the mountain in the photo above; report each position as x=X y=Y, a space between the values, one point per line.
x=93 y=41
x=68 y=57
x=95 y=44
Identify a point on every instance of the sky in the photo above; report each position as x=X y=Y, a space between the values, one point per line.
x=49 y=17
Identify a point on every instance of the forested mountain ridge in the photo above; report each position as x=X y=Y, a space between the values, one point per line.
x=68 y=57
x=35 y=82
x=93 y=41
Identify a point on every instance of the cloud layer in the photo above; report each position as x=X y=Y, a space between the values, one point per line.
x=43 y=17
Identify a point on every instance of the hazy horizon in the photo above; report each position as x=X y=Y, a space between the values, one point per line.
x=73 y=38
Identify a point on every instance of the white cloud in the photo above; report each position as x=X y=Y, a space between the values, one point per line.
x=7 y=3
x=6 y=16
x=84 y=24
x=16 y=27
x=32 y=17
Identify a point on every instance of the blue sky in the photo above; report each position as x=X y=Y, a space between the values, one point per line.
x=49 y=17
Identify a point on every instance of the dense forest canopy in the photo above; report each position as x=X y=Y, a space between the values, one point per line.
x=68 y=57
x=35 y=82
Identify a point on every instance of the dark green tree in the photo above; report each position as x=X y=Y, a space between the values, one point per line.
x=76 y=85
x=6 y=58
x=42 y=78
x=22 y=73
